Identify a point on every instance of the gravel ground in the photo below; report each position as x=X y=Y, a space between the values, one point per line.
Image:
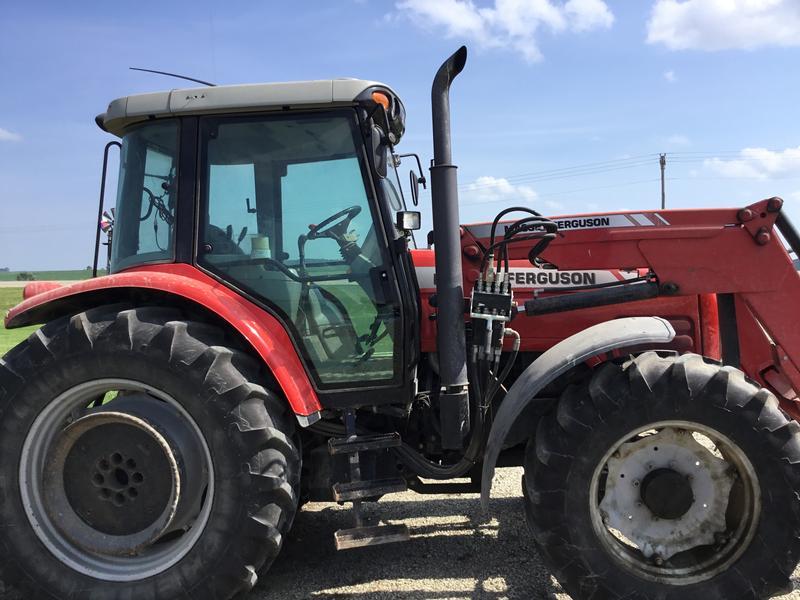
x=455 y=553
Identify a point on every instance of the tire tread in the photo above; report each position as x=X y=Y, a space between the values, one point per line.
x=677 y=383
x=257 y=423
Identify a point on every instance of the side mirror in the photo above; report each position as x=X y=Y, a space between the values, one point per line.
x=415 y=179
x=414 y=183
x=408 y=220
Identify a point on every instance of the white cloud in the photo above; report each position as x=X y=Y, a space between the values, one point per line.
x=724 y=24
x=670 y=76
x=758 y=163
x=509 y=24
x=494 y=189
x=679 y=140
x=586 y=15
x=9 y=136
x=488 y=189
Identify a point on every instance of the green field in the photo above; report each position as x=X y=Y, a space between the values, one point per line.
x=9 y=296
x=73 y=275
x=9 y=338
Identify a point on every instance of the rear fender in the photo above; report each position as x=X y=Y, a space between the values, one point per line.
x=263 y=331
x=595 y=340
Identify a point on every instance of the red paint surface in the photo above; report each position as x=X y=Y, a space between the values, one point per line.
x=703 y=252
x=263 y=331
x=709 y=325
x=39 y=287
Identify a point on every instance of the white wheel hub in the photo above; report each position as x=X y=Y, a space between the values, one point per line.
x=637 y=464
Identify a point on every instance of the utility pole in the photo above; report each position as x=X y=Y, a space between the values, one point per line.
x=662 y=160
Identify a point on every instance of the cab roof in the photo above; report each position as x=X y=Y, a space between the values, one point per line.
x=128 y=110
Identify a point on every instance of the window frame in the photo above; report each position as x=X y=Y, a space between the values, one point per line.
x=140 y=259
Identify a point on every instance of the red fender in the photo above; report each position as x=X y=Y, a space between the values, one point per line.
x=262 y=330
x=39 y=287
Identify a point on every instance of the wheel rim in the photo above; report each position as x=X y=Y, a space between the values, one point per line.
x=675 y=502
x=144 y=476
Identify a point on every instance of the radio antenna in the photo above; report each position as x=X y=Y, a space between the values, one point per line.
x=174 y=75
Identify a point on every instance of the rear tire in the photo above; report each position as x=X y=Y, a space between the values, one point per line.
x=234 y=519
x=581 y=449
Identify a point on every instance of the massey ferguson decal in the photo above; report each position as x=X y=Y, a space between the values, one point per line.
x=483 y=230
x=586 y=223
x=543 y=279
x=552 y=279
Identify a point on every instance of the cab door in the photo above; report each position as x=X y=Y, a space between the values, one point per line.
x=289 y=216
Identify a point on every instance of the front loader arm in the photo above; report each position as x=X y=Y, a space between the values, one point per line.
x=733 y=256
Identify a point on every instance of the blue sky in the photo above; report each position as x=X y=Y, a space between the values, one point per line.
x=549 y=85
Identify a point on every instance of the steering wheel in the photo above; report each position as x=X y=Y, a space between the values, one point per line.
x=334 y=226
x=221 y=240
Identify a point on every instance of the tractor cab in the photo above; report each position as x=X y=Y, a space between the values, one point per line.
x=288 y=194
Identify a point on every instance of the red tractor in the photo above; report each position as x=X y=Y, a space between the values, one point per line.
x=269 y=334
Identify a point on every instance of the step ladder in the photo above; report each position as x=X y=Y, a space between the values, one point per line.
x=356 y=490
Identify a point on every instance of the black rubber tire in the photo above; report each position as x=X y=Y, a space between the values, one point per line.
x=248 y=429
x=589 y=418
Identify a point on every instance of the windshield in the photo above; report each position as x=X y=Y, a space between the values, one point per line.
x=144 y=231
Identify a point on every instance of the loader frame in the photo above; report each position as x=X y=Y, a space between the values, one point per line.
x=727 y=269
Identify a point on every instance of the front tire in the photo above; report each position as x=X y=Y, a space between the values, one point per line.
x=141 y=458
x=666 y=478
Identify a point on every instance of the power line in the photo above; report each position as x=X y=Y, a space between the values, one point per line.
x=602 y=167
x=600 y=187
x=575 y=172
x=581 y=167
x=586 y=189
x=735 y=178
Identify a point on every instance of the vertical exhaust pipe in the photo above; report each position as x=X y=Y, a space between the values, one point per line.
x=450 y=336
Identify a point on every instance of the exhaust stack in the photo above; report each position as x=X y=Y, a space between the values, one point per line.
x=450 y=337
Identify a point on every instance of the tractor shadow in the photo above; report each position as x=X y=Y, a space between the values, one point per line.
x=455 y=552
